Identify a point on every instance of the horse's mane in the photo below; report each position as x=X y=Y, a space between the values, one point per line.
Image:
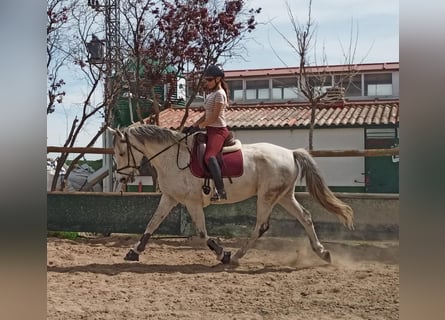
x=153 y=133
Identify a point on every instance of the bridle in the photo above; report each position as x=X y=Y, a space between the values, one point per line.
x=130 y=153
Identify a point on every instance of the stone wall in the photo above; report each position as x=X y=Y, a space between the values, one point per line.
x=376 y=216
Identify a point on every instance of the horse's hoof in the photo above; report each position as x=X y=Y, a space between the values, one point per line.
x=226 y=257
x=234 y=261
x=326 y=256
x=131 y=256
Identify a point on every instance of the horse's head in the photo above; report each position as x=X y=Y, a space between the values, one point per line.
x=126 y=155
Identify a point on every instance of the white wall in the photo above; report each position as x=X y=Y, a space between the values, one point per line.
x=344 y=171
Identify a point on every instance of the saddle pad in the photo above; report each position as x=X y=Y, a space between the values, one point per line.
x=232 y=165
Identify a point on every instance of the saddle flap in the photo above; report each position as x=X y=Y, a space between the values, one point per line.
x=231 y=159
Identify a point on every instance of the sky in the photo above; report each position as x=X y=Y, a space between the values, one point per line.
x=375 y=24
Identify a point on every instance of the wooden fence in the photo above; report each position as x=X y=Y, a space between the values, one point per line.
x=314 y=153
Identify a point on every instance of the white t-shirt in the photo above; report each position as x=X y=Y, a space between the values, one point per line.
x=218 y=96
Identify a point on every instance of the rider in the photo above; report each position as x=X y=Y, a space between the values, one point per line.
x=215 y=124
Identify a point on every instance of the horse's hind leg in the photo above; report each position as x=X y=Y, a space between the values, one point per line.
x=292 y=206
x=165 y=205
x=264 y=209
x=197 y=214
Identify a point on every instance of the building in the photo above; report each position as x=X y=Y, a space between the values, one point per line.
x=124 y=111
x=362 y=81
x=266 y=106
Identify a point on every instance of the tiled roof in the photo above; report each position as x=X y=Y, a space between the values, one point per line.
x=294 y=115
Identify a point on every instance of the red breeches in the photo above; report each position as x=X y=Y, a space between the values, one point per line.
x=215 y=141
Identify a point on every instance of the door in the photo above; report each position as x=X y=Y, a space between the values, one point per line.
x=382 y=173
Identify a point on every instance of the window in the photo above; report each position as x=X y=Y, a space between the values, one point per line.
x=251 y=94
x=284 y=88
x=377 y=138
x=290 y=93
x=257 y=89
x=351 y=83
x=263 y=93
x=381 y=133
x=235 y=89
x=379 y=90
x=379 y=84
x=320 y=83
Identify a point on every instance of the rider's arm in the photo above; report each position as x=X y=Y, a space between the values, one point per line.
x=213 y=117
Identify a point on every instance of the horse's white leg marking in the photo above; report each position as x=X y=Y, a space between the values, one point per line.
x=166 y=204
x=292 y=206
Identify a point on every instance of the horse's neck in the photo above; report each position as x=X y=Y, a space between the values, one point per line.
x=168 y=162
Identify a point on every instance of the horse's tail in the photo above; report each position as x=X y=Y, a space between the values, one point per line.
x=318 y=188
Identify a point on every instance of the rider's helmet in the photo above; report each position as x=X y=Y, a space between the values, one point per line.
x=214 y=71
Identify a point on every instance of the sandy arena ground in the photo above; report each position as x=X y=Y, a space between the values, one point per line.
x=180 y=279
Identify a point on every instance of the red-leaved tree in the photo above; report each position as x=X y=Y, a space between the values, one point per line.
x=160 y=40
x=171 y=39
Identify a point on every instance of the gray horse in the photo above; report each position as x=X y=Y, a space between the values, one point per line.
x=270 y=173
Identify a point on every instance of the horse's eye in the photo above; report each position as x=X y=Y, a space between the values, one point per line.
x=121 y=154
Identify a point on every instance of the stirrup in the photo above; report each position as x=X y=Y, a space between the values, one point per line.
x=217 y=196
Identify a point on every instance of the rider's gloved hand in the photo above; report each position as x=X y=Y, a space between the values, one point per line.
x=186 y=130
x=190 y=130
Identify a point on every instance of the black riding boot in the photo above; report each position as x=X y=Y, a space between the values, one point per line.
x=215 y=171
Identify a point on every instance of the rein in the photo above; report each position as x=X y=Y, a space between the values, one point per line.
x=166 y=148
x=130 y=147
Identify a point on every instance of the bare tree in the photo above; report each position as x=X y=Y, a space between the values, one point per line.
x=82 y=23
x=58 y=12
x=164 y=40
x=161 y=40
x=315 y=83
x=167 y=39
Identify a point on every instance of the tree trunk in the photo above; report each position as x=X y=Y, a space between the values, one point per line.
x=312 y=126
x=155 y=104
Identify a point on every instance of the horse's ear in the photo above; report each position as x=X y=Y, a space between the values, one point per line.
x=116 y=132
x=111 y=130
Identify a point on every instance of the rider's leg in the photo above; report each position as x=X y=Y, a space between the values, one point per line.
x=215 y=171
x=215 y=142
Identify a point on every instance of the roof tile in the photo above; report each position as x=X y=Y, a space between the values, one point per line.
x=350 y=113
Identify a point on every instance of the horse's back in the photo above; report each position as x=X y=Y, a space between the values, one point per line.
x=268 y=159
x=267 y=150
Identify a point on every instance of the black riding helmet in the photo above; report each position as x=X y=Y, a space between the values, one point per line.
x=214 y=71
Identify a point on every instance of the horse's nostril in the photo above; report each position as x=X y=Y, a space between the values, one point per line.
x=123 y=180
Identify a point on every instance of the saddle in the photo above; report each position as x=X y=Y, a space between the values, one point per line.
x=230 y=158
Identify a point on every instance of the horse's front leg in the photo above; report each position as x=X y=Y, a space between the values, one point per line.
x=197 y=214
x=166 y=204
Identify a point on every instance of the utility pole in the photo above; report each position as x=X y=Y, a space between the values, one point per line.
x=110 y=9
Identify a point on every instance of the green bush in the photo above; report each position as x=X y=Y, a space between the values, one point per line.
x=63 y=234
